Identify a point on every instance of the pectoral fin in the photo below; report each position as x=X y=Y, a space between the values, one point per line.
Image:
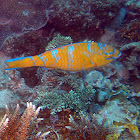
x=89 y=61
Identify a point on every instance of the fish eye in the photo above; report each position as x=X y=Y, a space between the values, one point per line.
x=109 y=55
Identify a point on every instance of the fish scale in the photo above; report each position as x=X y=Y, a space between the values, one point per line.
x=73 y=57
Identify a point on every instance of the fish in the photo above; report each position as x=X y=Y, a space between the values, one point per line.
x=72 y=57
x=4 y=20
x=122 y=70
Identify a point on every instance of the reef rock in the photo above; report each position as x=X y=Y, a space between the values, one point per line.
x=131 y=56
x=96 y=79
x=7 y=98
x=119 y=111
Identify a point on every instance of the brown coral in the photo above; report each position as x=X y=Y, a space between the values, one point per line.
x=89 y=128
x=16 y=127
x=131 y=31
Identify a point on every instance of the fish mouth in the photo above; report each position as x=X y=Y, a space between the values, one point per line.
x=119 y=54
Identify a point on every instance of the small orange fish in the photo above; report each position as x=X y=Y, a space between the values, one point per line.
x=72 y=57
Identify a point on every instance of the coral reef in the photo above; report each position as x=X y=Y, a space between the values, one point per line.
x=35 y=41
x=102 y=104
x=129 y=131
x=98 y=80
x=133 y=4
x=21 y=16
x=82 y=17
x=131 y=57
x=89 y=128
x=27 y=43
x=123 y=118
x=57 y=100
x=71 y=125
x=7 y=98
x=58 y=41
x=131 y=31
x=15 y=127
x=124 y=111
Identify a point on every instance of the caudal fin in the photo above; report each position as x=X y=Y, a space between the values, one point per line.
x=18 y=63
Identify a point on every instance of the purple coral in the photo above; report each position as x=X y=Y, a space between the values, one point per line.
x=18 y=16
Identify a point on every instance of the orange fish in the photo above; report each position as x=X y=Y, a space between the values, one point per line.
x=72 y=57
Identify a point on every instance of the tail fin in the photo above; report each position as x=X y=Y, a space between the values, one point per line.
x=21 y=62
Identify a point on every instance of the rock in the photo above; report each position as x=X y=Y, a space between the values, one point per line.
x=102 y=96
x=7 y=98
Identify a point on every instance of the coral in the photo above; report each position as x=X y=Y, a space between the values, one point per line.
x=76 y=18
x=108 y=36
x=26 y=43
x=86 y=128
x=131 y=57
x=59 y=79
x=131 y=31
x=79 y=18
x=102 y=96
x=133 y=4
x=16 y=127
x=6 y=95
x=98 y=80
x=60 y=86
x=15 y=87
x=129 y=130
x=3 y=76
x=123 y=118
x=124 y=111
x=7 y=98
x=118 y=20
x=56 y=100
x=58 y=41
x=21 y=16
x=106 y=85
